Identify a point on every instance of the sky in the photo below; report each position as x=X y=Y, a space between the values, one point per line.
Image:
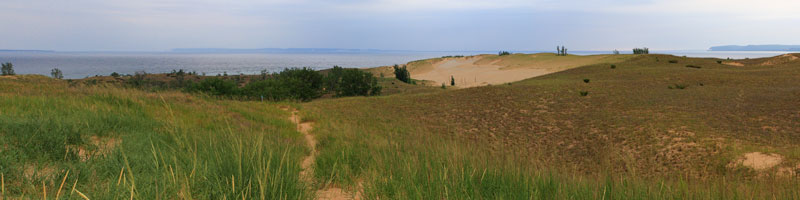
x=428 y=25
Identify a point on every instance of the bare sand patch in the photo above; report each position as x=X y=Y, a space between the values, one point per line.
x=738 y=64
x=759 y=161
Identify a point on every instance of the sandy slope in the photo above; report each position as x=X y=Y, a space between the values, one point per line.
x=479 y=70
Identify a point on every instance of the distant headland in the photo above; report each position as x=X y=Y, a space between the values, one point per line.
x=769 y=47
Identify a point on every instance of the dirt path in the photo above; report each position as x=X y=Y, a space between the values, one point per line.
x=307 y=175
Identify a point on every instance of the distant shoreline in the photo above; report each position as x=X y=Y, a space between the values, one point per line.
x=771 y=47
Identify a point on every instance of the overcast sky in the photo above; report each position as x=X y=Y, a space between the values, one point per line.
x=157 y=25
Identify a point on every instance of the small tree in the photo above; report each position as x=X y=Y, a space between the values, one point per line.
x=503 y=53
x=8 y=69
x=616 y=52
x=562 y=51
x=56 y=73
x=115 y=74
x=452 y=81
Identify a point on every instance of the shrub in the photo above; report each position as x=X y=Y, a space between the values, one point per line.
x=615 y=52
x=402 y=74
x=452 y=81
x=8 y=69
x=115 y=74
x=503 y=53
x=673 y=61
x=719 y=62
x=56 y=73
x=586 y=80
x=694 y=66
x=613 y=66
x=270 y=89
x=355 y=82
x=303 y=84
x=584 y=93
x=215 y=86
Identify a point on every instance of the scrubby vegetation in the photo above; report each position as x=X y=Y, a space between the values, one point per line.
x=503 y=53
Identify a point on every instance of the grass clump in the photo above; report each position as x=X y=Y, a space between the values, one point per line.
x=678 y=86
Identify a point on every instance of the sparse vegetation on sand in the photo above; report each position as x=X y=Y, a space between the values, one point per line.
x=628 y=137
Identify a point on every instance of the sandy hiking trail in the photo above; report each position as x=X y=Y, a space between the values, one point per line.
x=307 y=175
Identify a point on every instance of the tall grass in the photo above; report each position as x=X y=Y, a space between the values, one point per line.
x=172 y=145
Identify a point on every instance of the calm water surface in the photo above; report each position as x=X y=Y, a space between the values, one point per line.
x=80 y=65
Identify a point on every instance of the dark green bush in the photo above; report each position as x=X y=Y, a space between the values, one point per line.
x=586 y=80
x=613 y=66
x=644 y=50
x=584 y=93
x=355 y=82
x=270 y=89
x=673 y=61
x=115 y=74
x=452 y=81
x=719 y=62
x=56 y=73
x=215 y=86
x=8 y=69
x=402 y=74
x=303 y=84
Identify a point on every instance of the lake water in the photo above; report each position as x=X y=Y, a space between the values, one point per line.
x=80 y=65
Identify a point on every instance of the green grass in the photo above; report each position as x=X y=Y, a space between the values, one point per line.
x=172 y=145
x=630 y=137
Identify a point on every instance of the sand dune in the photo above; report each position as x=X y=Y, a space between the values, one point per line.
x=480 y=70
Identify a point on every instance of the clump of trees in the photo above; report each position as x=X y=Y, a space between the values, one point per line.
x=56 y=73
x=562 y=51
x=402 y=74
x=503 y=53
x=644 y=50
x=8 y=69
x=302 y=84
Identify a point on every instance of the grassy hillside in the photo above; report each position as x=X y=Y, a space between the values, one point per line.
x=650 y=127
x=106 y=142
x=645 y=127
